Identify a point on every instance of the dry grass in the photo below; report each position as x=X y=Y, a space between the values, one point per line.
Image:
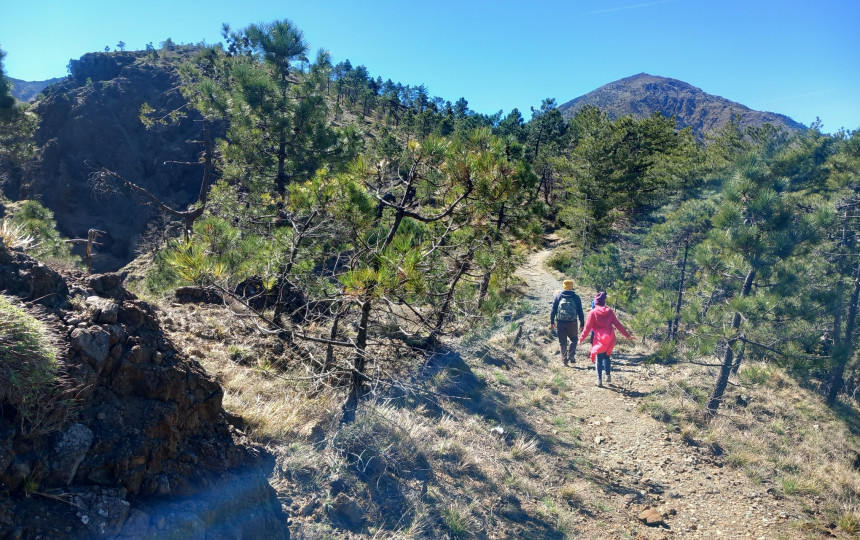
x=780 y=434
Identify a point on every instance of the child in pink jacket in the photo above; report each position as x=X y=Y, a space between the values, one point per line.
x=601 y=320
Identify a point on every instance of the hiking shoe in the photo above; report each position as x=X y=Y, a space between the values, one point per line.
x=608 y=378
x=598 y=383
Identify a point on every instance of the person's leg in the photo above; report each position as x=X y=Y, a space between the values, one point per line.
x=608 y=368
x=562 y=341
x=567 y=338
x=573 y=332
x=598 y=366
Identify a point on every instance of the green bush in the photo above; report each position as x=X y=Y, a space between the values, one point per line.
x=561 y=260
x=29 y=370
x=37 y=222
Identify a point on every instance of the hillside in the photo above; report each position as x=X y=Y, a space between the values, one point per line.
x=91 y=119
x=346 y=334
x=492 y=438
x=643 y=94
x=26 y=91
x=125 y=435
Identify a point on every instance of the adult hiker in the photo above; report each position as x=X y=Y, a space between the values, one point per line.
x=567 y=308
x=602 y=321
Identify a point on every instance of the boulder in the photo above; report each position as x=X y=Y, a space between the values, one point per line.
x=136 y=525
x=201 y=295
x=104 y=311
x=102 y=511
x=70 y=446
x=93 y=344
x=47 y=286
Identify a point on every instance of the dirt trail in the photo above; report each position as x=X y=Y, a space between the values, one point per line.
x=641 y=463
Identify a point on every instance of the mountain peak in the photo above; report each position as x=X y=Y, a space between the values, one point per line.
x=643 y=94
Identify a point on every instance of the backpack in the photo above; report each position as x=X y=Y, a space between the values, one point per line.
x=567 y=309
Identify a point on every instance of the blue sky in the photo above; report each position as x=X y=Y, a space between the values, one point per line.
x=796 y=57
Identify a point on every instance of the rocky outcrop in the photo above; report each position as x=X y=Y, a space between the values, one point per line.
x=146 y=448
x=91 y=119
x=642 y=95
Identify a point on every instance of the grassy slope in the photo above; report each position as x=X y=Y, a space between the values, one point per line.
x=572 y=460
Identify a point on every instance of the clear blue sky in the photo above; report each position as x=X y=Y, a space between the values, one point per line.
x=796 y=57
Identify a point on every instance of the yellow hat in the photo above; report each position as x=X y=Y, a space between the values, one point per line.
x=568 y=284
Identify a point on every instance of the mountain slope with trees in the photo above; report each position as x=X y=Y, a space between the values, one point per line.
x=642 y=95
x=27 y=91
x=346 y=264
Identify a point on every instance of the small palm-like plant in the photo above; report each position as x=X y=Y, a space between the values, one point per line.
x=14 y=236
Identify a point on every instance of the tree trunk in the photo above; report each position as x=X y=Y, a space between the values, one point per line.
x=674 y=326
x=446 y=306
x=845 y=351
x=329 y=351
x=281 y=179
x=728 y=357
x=358 y=362
x=740 y=358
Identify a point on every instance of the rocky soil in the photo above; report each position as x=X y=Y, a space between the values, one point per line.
x=655 y=484
x=145 y=450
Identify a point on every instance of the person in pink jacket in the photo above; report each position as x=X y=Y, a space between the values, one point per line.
x=601 y=320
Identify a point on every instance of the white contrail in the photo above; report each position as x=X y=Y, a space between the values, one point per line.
x=786 y=98
x=624 y=8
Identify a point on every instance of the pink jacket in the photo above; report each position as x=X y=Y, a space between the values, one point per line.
x=601 y=321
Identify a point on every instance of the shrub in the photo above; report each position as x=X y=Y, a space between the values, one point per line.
x=561 y=260
x=14 y=236
x=457 y=521
x=33 y=221
x=29 y=370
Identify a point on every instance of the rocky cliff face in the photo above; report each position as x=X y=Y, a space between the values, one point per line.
x=147 y=451
x=643 y=94
x=91 y=119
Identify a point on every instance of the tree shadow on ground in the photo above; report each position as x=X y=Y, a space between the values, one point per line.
x=454 y=380
x=849 y=415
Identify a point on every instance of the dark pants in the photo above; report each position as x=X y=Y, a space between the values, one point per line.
x=567 y=331
x=603 y=364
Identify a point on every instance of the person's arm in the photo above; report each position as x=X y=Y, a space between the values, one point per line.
x=620 y=327
x=554 y=309
x=589 y=323
x=579 y=312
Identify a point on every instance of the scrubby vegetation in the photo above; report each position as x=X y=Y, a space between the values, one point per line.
x=30 y=374
x=364 y=233
x=31 y=226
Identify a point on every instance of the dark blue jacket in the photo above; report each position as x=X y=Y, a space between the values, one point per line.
x=576 y=300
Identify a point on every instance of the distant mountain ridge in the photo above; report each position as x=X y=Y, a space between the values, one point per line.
x=27 y=90
x=643 y=94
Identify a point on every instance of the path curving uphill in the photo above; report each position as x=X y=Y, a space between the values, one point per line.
x=640 y=478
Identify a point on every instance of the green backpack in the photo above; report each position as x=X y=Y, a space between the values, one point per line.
x=566 y=309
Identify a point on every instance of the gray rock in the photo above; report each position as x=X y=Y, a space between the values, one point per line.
x=16 y=474
x=344 y=510
x=136 y=526
x=102 y=511
x=47 y=286
x=70 y=448
x=185 y=525
x=93 y=344
x=104 y=311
